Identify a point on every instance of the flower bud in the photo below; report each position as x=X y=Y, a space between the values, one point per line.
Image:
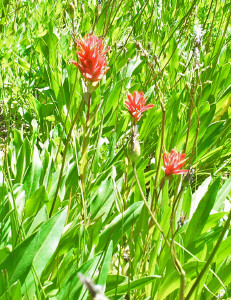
x=72 y=11
x=134 y=145
x=133 y=150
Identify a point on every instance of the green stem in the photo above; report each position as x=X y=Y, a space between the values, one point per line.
x=176 y=262
x=189 y=122
x=175 y=259
x=64 y=158
x=225 y=228
x=68 y=111
x=147 y=205
x=83 y=171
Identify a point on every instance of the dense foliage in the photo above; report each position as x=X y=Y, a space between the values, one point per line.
x=83 y=185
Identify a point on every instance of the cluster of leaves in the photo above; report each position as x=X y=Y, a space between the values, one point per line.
x=53 y=224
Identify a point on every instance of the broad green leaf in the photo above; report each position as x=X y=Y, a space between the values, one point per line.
x=136 y=284
x=212 y=221
x=35 y=202
x=120 y=225
x=198 y=195
x=4 y=252
x=73 y=287
x=103 y=200
x=105 y=265
x=222 y=195
x=113 y=99
x=48 y=238
x=38 y=220
x=223 y=251
x=18 y=263
x=224 y=276
x=32 y=176
x=23 y=160
x=14 y=292
x=114 y=280
x=172 y=282
x=201 y=214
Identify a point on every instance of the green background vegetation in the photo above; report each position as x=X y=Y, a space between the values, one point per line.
x=103 y=229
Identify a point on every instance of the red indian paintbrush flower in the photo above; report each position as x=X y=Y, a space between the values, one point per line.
x=92 y=59
x=136 y=105
x=173 y=162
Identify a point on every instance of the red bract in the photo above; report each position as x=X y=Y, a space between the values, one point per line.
x=173 y=162
x=92 y=59
x=136 y=105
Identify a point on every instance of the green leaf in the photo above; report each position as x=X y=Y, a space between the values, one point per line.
x=47 y=109
x=48 y=239
x=14 y=292
x=18 y=263
x=222 y=195
x=105 y=265
x=223 y=251
x=120 y=225
x=132 y=65
x=103 y=200
x=114 y=280
x=224 y=276
x=35 y=202
x=23 y=160
x=172 y=282
x=32 y=176
x=72 y=287
x=201 y=215
x=113 y=99
x=38 y=220
x=136 y=284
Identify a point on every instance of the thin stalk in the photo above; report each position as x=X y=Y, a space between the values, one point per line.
x=69 y=206
x=161 y=187
x=206 y=266
x=109 y=18
x=85 y=143
x=132 y=28
x=176 y=262
x=84 y=215
x=222 y=39
x=189 y=122
x=89 y=175
x=160 y=96
x=98 y=17
x=88 y=110
x=68 y=111
x=197 y=132
x=64 y=158
x=107 y=8
x=212 y=25
x=210 y=7
x=154 y=196
x=182 y=21
x=147 y=205
x=151 y=16
x=118 y=7
x=178 y=80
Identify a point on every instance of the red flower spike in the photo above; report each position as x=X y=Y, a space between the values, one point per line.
x=136 y=105
x=92 y=59
x=173 y=162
